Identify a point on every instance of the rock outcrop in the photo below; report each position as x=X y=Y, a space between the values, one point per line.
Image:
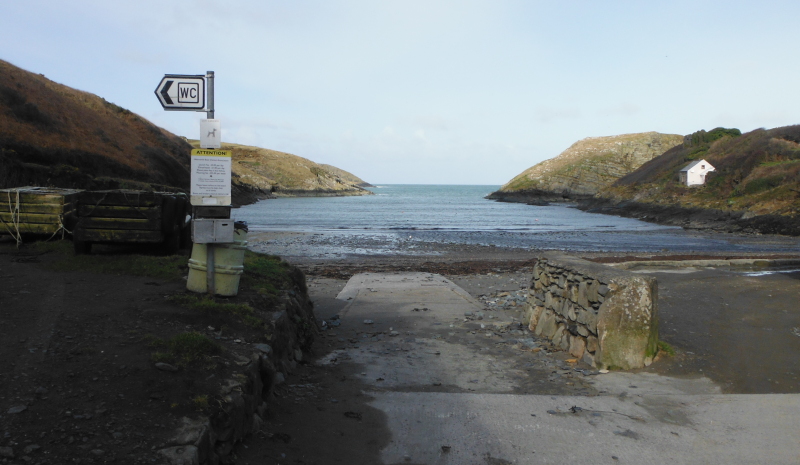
x=586 y=167
x=259 y=173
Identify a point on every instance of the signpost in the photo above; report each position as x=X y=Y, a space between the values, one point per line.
x=210 y=190
x=182 y=92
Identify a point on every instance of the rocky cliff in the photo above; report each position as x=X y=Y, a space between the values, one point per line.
x=262 y=173
x=586 y=167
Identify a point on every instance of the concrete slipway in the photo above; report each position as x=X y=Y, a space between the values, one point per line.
x=475 y=417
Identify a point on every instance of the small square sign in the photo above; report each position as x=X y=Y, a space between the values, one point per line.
x=210 y=134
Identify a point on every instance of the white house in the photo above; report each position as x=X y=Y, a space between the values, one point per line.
x=694 y=174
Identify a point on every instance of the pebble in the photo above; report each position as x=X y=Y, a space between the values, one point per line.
x=264 y=348
x=31 y=448
x=17 y=409
x=166 y=367
x=368 y=322
x=7 y=452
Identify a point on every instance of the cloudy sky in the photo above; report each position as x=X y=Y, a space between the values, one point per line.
x=431 y=91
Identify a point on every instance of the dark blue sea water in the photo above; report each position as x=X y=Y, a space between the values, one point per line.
x=398 y=216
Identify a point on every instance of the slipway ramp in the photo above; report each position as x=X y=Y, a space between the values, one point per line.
x=477 y=414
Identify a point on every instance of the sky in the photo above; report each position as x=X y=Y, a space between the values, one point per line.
x=431 y=91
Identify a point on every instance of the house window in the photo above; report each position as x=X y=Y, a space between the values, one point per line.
x=702 y=167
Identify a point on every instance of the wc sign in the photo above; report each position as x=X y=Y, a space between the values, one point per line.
x=182 y=92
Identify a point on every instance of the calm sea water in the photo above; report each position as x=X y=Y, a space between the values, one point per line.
x=460 y=214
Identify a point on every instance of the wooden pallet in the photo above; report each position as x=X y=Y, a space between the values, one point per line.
x=125 y=216
x=37 y=210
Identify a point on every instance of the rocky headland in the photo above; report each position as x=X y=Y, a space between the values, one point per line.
x=585 y=167
x=259 y=173
x=754 y=189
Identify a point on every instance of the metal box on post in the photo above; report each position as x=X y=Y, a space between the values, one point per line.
x=212 y=231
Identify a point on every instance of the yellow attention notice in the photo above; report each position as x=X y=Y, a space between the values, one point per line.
x=211 y=153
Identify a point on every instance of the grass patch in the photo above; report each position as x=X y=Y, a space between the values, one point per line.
x=172 y=268
x=200 y=402
x=778 y=163
x=266 y=274
x=762 y=184
x=666 y=348
x=208 y=305
x=184 y=348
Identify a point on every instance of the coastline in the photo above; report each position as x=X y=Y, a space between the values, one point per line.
x=668 y=215
x=244 y=195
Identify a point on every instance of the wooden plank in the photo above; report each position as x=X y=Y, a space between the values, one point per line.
x=120 y=198
x=35 y=218
x=105 y=211
x=37 y=195
x=117 y=235
x=28 y=228
x=40 y=208
x=119 y=223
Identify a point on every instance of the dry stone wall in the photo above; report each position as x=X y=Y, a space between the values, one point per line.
x=607 y=317
x=244 y=398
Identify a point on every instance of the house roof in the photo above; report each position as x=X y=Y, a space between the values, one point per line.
x=695 y=163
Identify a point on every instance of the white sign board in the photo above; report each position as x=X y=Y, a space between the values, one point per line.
x=210 y=134
x=211 y=177
x=182 y=92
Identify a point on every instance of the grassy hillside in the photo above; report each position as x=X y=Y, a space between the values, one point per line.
x=347 y=176
x=757 y=173
x=591 y=164
x=278 y=173
x=53 y=135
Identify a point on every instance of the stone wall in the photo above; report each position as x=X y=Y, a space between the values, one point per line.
x=607 y=317
x=244 y=397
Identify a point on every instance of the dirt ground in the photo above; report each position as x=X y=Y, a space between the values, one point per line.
x=78 y=382
x=76 y=368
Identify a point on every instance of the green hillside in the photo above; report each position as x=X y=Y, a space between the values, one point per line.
x=588 y=166
x=757 y=173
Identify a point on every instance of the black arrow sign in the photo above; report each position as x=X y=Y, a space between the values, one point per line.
x=164 y=91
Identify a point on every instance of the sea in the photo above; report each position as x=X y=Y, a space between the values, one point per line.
x=400 y=219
